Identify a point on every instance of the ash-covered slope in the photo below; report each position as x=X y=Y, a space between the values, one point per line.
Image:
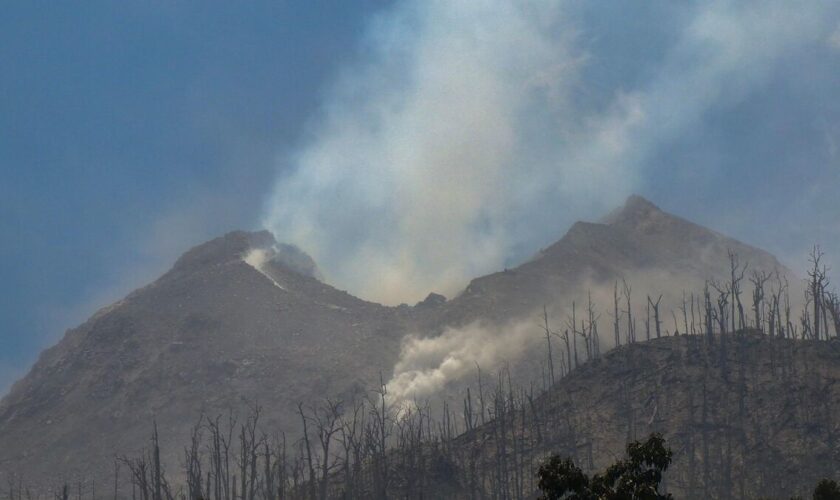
x=211 y=334
x=655 y=251
x=758 y=419
x=217 y=332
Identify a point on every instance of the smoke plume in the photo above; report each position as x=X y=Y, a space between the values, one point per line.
x=433 y=149
x=427 y=364
x=467 y=134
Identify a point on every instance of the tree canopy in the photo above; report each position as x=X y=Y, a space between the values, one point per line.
x=636 y=477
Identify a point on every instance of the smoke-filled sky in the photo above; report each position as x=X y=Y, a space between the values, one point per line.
x=407 y=145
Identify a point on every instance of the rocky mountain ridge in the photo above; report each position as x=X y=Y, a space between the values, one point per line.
x=216 y=332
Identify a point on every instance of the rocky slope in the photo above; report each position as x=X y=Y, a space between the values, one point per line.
x=227 y=327
x=658 y=251
x=213 y=333
x=759 y=421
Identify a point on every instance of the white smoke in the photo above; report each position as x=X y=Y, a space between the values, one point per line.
x=457 y=136
x=427 y=364
x=258 y=258
x=431 y=148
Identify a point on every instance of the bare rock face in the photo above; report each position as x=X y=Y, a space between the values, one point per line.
x=242 y=319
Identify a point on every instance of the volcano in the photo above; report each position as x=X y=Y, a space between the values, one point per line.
x=243 y=320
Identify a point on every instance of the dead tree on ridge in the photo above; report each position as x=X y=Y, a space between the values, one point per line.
x=616 y=316
x=572 y=323
x=817 y=283
x=656 y=321
x=249 y=445
x=758 y=279
x=736 y=276
x=327 y=425
x=192 y=463
x=593 y=328
x=832 y=303
x=631 y=334
x=547 y=333
x=708 y=313
x=307 y=444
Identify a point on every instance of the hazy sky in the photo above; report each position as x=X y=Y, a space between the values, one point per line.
x=372 y=132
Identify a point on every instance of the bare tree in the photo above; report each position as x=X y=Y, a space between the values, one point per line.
x=158 y=485
x=308 y=449
x=547 y=333
x=736 y=276
x=192 y=462
x=616 y=315
x=758 y=279
x=327 y=423
x=775 y=326
x=709 y=311
x=219 y=449
x=656 y=321
x=249 y=445
x=140 y=472
x=631 y=334
x=817 y=283
x=593 y=327
x=572 y=323
x=832 y=304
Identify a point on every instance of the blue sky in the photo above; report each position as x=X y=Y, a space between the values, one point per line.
x=132 y=131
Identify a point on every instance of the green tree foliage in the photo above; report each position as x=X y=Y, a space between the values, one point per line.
x=561 y=478
x=636 y=477
x=827 y=489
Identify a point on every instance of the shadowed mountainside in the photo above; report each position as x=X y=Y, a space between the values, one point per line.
x=758 y=419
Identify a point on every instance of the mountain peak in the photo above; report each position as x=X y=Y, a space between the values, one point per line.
x=231 y=246
x=258 y=249
x=637 y=202
x=635 y=210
